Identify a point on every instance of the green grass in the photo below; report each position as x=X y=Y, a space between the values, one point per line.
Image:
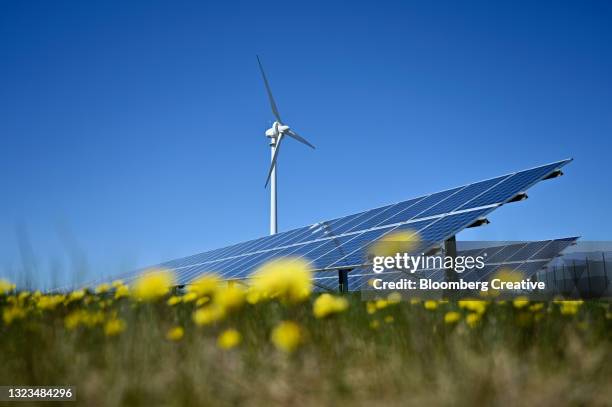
x=511 y=357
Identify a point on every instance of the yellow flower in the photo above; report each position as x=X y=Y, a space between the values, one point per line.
x=430 y=305
x=536 y=307
x=253 y=295
x=49 y=302
x=173 y=300
x=73 y=319
x=472 y=319
x=230 y=297
x=520 y=302
x=451 y=317
x=395 y=242
x=102 y=288
x=371 y=307
x=289 y=279
x=6 y=286
x=121 y=291
x=175 y=334
x=76 y=295
x=78 y=317
x=208 y=315
x=114 y=327
x=415 y=301
x=327 y=304
x=394 y=298
x=380 y=304
x=478 y=306
x=153 y=284
x=189 y=297
x=389 y=319
x=202 y=301
x=375 y=324
x=287 y=336
x=228 y=339
x=570 y=307
x=206 y=284
x=10 y=314
x=117 y=283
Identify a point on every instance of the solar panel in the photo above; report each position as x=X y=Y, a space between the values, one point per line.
x=341 y=243
x=524 y=257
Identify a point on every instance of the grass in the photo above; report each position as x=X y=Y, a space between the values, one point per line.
x=410 y=356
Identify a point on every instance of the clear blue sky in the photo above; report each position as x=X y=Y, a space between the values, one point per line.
x=132 y=133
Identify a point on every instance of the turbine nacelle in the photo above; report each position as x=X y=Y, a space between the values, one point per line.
x=276 y=130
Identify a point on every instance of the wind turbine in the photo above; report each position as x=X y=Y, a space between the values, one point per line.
x=276 y=134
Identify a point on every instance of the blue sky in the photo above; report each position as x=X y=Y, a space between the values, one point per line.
x=134 y=132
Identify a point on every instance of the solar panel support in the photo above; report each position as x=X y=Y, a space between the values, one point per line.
x=450 y=250
x=343 y=283
x=519 y=197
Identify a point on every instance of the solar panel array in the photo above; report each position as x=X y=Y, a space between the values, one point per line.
x=341 y=243
x=524 y=257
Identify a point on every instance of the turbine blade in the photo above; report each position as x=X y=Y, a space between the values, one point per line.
x=273 y=163
x=299 y=138
x=270 y=97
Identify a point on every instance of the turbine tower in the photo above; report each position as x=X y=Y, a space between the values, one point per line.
x=276 y=134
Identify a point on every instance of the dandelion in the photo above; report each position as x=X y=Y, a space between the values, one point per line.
x=76 y=295
x=114 y=327
x=393 y=243
x=102 y=288
x=520 y=302
x=327 y=304
x=117 y=283
x=121 y=291
x=202 y=301
x=371 y=307
x=380 y=303
x=478 y=306
x=289 y=279
x=190 y=297
x=49 y=302
x=570 y=307
x=430 y=305
x=287 y=336
x=451 y=317
x=10 y=314
x=472 y=319
x=6 y=286
x=208 y=315
x=230 y=297
x=153 y=284
x=228 y=339
x=389 y=319
x=173 y=300
x=205 y=285
x=394 y=298
x=375 y=324
x=175 y=333
x=536 y=307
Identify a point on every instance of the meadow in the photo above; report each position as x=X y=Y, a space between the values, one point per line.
x=279 y=343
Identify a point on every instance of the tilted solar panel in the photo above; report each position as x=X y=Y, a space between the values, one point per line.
x=340 y=243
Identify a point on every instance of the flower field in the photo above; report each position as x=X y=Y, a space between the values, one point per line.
x=278 y=343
